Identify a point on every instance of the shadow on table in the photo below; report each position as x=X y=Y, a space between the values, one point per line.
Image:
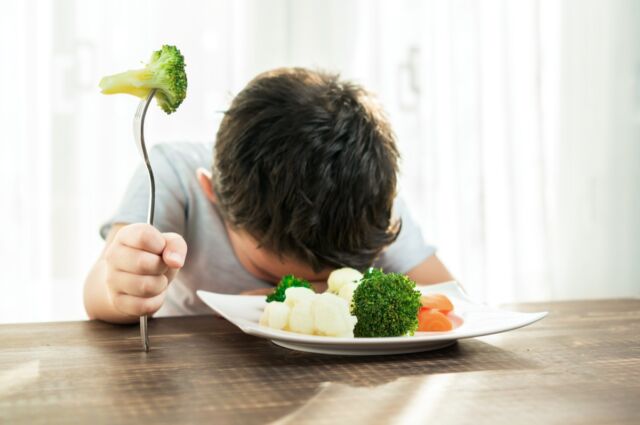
x=309 y=386
x=260 y=358
x=229 y=374
x=410 y=388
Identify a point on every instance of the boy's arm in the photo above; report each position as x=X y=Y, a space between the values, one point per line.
x=430 y=271
x=131 y=276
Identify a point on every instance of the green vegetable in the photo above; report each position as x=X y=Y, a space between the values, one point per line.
x=385 y=305
x=164 y=72
x=288 y=281
x=371 y=272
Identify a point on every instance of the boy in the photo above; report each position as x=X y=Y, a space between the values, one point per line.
x=302 y=180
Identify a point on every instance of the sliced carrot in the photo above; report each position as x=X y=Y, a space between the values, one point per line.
x=430 y=320
x=437 y=301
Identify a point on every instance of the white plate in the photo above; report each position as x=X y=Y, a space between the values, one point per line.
x=470 y=320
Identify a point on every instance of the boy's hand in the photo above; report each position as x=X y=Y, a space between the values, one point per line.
x=140 y=263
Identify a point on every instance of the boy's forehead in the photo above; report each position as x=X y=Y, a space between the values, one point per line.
x=279 y=266
x=275 y=265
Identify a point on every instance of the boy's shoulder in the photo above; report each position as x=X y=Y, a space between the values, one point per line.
x=175 y=165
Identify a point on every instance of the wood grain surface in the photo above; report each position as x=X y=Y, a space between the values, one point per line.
x=580 y=365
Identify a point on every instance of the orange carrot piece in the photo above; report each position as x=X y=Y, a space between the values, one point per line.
x=431 y=320
x=437 y=301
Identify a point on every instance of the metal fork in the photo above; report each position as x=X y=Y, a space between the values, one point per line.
x=138 y=135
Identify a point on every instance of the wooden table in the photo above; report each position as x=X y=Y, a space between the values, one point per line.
x=580 y=365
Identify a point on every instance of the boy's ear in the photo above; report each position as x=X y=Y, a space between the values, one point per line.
x=206 y=184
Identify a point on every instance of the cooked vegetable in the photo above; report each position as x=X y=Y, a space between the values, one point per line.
x=275 y=315
x=385 y=305
x=296 y=294
x=288 y=281
x=346 y=292
x=341 y=277
x=306 y=312
x=164 y=72
x=437 y=301
x=431 y=320
x=301 y=317
x=332 y=317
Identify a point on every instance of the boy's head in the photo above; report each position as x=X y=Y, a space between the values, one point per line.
x=305 y=165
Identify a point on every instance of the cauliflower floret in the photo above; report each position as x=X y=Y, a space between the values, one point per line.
x=339 y=278
x=301 y=317
x=346 y=292
x=275 y=315
x=331 y=316
x=296 y=294
x=306 y=312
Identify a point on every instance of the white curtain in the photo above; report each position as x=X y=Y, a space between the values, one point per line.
x=478 y=145
x=518 y=123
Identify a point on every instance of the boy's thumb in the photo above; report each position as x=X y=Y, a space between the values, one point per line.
x=175 y=251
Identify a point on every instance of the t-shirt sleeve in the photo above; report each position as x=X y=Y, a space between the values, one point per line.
x=409 y=249
x=170 y=207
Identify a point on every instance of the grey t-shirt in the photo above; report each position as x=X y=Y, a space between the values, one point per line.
x=211 y=264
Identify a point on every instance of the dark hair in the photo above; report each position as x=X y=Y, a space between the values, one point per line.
x=306 y=164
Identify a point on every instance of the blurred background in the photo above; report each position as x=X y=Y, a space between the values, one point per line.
x=518 y=122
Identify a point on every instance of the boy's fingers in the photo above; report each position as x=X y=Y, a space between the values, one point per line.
x=175 y=250
x=136 y=306
x=135 y=261
x=145 y=286
x=142 y=236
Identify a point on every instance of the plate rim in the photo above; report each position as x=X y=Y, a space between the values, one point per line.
x=261 y=331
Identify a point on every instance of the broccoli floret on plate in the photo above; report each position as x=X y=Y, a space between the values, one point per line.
x=385 y=305
x=288 y=281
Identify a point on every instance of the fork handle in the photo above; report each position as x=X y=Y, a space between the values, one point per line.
x=144 y=333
